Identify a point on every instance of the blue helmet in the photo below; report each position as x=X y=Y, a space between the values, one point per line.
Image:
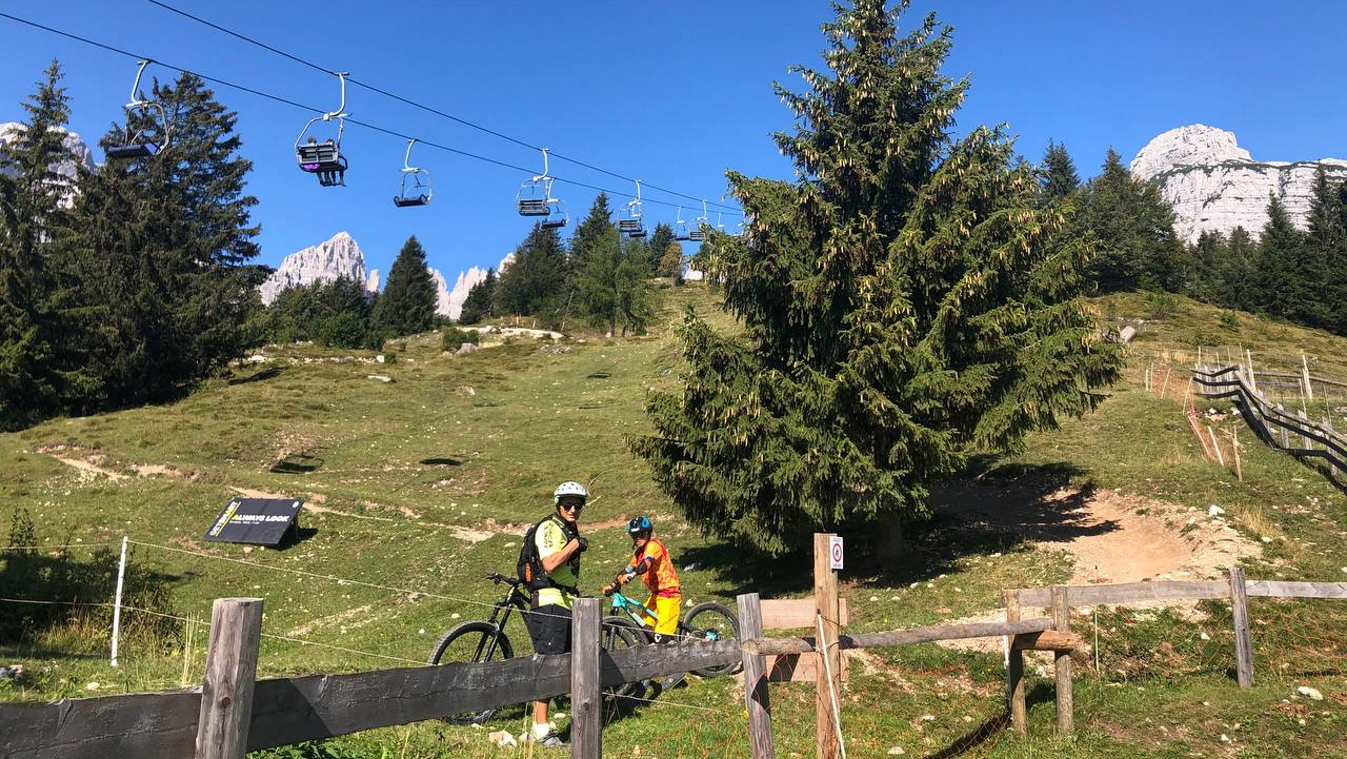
x=639 y=525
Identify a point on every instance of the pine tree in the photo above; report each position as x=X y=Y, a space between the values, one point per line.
x=1057 y=175
x=37 y=372
x=899 y=307
x=1134 y=227
x=1288 y=273
x=1208 y=255
x=536 y=281
x=478 y=303
x=1327 y=246
x=658 y=244
x=671 y=263
x=160 y=248
x=1234 y=272
x=334 y=313
x=407 y=304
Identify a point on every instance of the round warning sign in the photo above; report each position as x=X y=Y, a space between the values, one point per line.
x=835 y=552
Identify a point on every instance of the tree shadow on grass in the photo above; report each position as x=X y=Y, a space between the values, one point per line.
x=271 y=372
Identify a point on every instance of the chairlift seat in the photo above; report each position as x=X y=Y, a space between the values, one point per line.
x=553 y=222
x=640 y=232
x=697 y=236
x=628 y=226
x=133 y=150
x=534 y=207
x=412 y=200
x=320 y=157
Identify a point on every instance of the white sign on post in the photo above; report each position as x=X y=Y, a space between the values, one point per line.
x=835 y=551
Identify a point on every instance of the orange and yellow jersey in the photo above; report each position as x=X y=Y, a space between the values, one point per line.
x=660 y=576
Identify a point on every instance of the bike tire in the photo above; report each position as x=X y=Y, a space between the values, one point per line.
x=619 y=634
x=471 y=642
x=710 y=621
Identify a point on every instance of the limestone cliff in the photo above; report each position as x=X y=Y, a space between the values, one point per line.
x=1214 y=185
x=338 y=257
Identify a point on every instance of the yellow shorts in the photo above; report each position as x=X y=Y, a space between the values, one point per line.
x=669 y=611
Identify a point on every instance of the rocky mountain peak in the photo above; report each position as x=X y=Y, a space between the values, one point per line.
x=1214 y=185
x=339 y=256
x=1193 y=145
x=63 y=173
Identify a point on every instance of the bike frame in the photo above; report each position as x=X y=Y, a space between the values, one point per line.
x=500 y=613
x=633 y=610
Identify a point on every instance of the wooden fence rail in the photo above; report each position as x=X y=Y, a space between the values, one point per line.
x=1263 y=415
x=291 y=710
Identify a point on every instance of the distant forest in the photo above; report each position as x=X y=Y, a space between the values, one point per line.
x=135 y=281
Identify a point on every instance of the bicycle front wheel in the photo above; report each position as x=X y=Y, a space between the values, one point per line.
x=471 y=642
x=710 y=621
x=619 y=634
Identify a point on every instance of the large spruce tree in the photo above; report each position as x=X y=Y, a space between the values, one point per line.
x=1057 y=175
x=34 y=379
x=1288 y=273
x=611 y=275
x=479 y=303
x=407 y=304
x=1327 y=243
x=1134 y=227
x=899 y=310
x=160 y=247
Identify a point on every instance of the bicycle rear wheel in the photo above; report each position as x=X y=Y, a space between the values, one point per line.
x=471 y=642
x=619 y=634
x=710 y=621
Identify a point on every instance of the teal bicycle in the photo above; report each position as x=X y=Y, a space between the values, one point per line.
x=706 y=621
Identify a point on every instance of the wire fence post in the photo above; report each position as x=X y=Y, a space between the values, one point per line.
x=828 y=679
x=117 y=603
x=1239 y=610
x=1061 y=621
x=1019 y=715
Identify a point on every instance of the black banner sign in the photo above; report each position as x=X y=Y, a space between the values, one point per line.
x=260 y=521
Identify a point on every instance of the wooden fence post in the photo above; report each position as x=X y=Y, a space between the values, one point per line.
x=231 y=669
x=1239 y=609
x=829 y=675
x=1061 y=621
x=586 y=680
x=755 y=680
x=1019 y=715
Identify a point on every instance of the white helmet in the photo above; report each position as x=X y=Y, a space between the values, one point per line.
x=569 y=487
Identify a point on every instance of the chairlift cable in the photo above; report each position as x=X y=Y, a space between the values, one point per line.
x=415 y=104
x=312 y=109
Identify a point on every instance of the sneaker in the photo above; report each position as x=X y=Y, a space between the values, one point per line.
x=551 y=740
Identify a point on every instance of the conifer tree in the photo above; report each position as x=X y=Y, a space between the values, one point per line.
x=536 y=281
x=1058 y=175
x=659 y=242
x=478 y=304
x=1288 y=273
x=1327 y=242
x=407 y=304
x=1134 y=227
x=160 y=247
x=334 y=313
x=34 y=377
x=899 y=308
x=671 y=263
x=1234 y=271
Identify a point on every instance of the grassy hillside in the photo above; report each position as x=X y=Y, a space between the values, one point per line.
x=419 y=486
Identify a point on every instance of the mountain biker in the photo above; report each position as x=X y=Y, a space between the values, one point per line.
x=651 y=562
x=559 y=545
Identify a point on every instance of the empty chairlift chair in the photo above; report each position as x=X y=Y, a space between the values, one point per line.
x=416 y=189
x=680 y=230
x=324 y=158
x=141 y=117
x=631 y=223
x=698 y=233
x=535 y=199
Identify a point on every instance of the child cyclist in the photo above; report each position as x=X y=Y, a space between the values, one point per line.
x=651 y=561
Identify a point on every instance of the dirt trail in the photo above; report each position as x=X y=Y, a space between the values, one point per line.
x=1111 y=536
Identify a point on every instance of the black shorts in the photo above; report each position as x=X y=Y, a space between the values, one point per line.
x=550 y=628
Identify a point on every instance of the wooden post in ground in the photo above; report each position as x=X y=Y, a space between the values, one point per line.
x=231 y=669
x=1305 y=373
x=1019 y=715
x=1061 y=621
x=755 y=681
x=586 y=680
x=829 y=679
x=1239 y=609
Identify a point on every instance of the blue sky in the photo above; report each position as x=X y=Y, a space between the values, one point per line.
x=670 y=93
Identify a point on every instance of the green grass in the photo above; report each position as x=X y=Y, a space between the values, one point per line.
x=477 y=442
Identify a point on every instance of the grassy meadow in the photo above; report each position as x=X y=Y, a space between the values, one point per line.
x=417 y=487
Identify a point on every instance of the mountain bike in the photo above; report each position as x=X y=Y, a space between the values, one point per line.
x=486 y=641
x=705 y=621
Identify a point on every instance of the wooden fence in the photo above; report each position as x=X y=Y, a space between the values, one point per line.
x=231 y=714
x=1294 y=432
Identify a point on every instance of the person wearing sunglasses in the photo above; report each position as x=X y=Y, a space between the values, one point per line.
x=556 y=546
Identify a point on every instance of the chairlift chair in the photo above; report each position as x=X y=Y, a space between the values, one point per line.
x=535 y=199
x=138 y=143
x=324 y=158
x=680 y=230
x=556 y=216
x=416 y=189
x=631 y=224
x=698 y=233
